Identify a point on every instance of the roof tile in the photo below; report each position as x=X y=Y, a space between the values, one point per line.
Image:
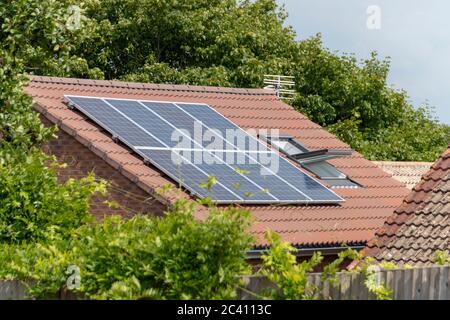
x=421 y=225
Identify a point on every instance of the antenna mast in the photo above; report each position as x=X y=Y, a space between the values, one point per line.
x=283 y=85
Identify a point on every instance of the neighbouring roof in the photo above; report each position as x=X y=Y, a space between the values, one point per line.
x=354 y=222
x=407 y=172
x=421 y=225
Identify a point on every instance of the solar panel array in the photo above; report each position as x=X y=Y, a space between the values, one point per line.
x=149 y=129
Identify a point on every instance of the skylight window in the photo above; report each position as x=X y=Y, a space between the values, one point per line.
x=314 y=161
x=287 y=146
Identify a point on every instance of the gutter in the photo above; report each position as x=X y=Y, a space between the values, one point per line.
x=255 y=254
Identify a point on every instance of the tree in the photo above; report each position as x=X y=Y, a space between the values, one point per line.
x=231 y=43
x=42 y=37
x=31 y=200
x=34 y=38
x=354 y=101
x=226 y=43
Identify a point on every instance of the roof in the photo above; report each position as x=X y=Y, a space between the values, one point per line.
x=421 y=225
x=407 y=172
x=354 y=222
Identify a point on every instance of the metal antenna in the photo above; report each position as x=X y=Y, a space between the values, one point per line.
x=283 y=85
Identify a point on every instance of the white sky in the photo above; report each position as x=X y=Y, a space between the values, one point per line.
x=414 y=33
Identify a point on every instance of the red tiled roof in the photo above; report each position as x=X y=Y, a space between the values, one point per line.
x=421 y=225
x=353 y=222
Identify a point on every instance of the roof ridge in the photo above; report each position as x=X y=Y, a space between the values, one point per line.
x=404 y=163
x=151 y=86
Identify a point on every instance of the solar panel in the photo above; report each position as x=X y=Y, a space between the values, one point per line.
x=166 y=135
x=190 y=176
x=212 y=119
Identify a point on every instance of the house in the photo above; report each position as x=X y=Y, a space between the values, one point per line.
x=370 y=195
x=421 y=225
x=407 y=172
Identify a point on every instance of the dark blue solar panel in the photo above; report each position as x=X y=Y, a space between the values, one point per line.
x=214 y=120
x=189 y=175
x=115 y=122
x=241 y=184
x=271 y=183
x=185 y=122
x=286 y=172
x=305 y=183
x=246 y=181
x=147 y=120
x=149 y=127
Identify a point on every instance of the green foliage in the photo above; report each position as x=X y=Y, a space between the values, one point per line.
x=174 y=257
x=177 y=257
x=291 y=281
x=33 y=36
x=209 y=183
x=38 y=35
x=370 y=269
x=40 y=265
x=31 y=200
x=371 y=282
x=19 y=126
x=228 y=43
x=330 y=270
x=279 y=266
x=441 y=257
x=354 y=101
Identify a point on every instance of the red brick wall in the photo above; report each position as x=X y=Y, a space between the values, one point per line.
x=80 y=161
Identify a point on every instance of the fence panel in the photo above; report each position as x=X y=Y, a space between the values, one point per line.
x=443 y=274
x=426 y=283
x=12 y=290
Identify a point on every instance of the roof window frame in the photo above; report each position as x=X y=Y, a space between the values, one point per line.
x=313 y=157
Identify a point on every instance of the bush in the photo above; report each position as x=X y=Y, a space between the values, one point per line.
x=291 y=281
x=280 y=266
x=174 y=257
x=32 y=200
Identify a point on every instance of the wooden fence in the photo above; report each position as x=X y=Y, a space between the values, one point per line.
x=428 y=283
x=17 y=290
x=12 y=290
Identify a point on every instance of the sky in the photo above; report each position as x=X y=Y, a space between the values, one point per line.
x=415 y=34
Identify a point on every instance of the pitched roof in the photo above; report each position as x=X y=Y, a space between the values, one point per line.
x=421 y=225
x=407 y=172
x=353 y=222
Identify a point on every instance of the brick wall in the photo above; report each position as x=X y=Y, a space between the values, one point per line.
x=80 y=161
